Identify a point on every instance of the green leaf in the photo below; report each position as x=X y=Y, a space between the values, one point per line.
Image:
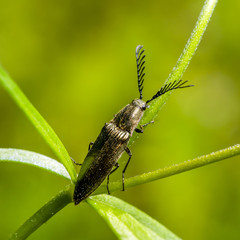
x=182 y=63
x=38 y=122
x=34 y=159
x=128 y=222
x=61 y=200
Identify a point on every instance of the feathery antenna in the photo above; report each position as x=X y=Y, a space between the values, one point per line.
x=169 y=87
x=140 y=68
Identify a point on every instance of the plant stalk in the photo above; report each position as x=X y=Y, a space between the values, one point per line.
x=173 y=170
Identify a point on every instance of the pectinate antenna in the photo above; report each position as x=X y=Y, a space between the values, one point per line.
x=140 y=67
x=169 y=87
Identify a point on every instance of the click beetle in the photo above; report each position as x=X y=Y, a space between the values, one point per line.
x=113 y=139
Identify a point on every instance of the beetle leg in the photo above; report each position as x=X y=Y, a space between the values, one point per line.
x=117 y=166
x=130 y=155
x=79 y=164
x=141 y=129
x=90 y=145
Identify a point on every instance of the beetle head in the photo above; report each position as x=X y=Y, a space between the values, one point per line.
x=140 y=103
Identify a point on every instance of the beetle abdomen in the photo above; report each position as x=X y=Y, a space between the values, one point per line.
x=100 y=160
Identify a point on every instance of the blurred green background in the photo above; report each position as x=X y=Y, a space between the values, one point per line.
x=75 y=62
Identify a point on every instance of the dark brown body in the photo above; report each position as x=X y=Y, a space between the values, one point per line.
x=107 y=149
x=114 y=137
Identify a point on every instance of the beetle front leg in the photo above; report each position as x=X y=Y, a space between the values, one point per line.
x=117 y=166
x=124 y=170
x=141 y=129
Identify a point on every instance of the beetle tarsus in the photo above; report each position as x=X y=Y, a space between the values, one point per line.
x=117 y=166
x=124 y=170
x=79 y=164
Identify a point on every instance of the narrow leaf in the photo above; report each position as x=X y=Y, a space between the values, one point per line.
x=34 y=159
x=173 y=169
x=127 y=221
x=61 y=200
x=182 y=63
x=38 y=122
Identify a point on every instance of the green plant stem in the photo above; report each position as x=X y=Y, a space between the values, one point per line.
x=65 y=197
x=43 y=214
x=38 y=122
x=173 y=170
x=182 y=63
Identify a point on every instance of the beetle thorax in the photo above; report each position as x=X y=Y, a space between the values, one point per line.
x=128 y=118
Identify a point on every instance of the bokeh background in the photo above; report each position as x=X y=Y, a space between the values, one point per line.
x=75 y=62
